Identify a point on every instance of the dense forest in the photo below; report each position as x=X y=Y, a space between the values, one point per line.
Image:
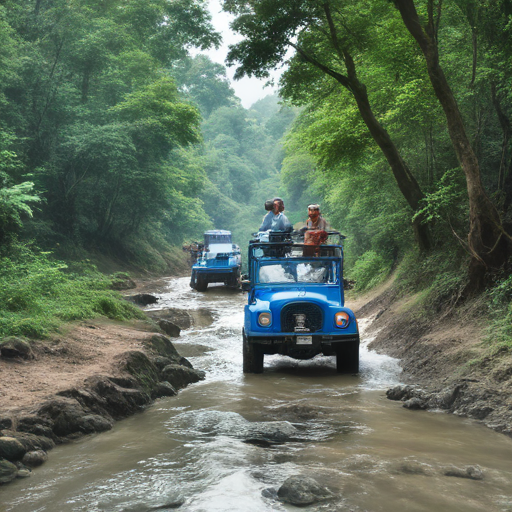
x=118 y=137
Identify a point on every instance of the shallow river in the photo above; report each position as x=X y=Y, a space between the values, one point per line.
x=190 y=449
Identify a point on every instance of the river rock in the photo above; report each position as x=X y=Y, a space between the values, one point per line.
x=162 y=346
x=119 y=401
x=265 y=433
x=143 y=299
x=8 y=471
x=74 y=421
x=415 y=403
x=181 y=376
x=6 y=422
x=70 y=418
x=178 y=317
x=169 y=328
x=184 y=319
x=402 y=392
x=471 y=472
x=164 y=389
x=12 y=346
x=23 y=471
x=303 y=490
x=145 y=507
x=33 y=442
x=36 y=425
x=11 y=448
x=35 y=458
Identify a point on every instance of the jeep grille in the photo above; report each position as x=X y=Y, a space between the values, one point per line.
x=312 y=322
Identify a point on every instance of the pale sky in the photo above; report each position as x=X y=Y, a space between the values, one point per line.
x=249 y=90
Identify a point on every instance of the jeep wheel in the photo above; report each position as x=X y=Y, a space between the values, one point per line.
x=201 y=284
x=253 y=356
x=347 y=357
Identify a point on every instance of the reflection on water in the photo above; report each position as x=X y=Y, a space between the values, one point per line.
x=220 y=443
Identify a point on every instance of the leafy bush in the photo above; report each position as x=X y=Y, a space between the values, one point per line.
x=369 y=270
x=38 y=293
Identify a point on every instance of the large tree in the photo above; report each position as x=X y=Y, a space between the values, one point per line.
x=486 y=233
x=330 y=37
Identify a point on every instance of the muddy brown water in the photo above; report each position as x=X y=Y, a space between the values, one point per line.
x=190 y=450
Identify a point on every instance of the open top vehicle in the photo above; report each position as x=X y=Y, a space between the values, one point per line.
x=296 y=303
x=218 y=262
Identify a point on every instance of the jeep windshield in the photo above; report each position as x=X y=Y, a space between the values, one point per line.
x=298 y=272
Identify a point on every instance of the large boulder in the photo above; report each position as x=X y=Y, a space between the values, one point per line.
x=32 y=442
x=143 y=299
x=120 y=402
x=35 y=458
x=303 y=490
x=13 y=346
x=181 y=376
x=162 y=346
x=11 y=448
x=36 y=425
x=70 y=418
x=169 y=328
x=184 y=319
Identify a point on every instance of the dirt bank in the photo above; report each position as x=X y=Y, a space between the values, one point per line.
x=445 y=361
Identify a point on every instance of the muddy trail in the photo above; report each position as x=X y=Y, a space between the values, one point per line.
x=230 y=442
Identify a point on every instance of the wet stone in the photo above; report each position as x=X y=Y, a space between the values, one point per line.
x=32 y=442
x=303 y=490
x=164 y=389
x=11 y=448
x=173 y=503
x=471 y=472
x=181 y=376
x=35 y=458
x=8 y=471
x=415 y=404
x=143 y=299
x=169 y=328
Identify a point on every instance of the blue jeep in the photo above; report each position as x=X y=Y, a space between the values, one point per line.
x=296 y=303
x=218 y=262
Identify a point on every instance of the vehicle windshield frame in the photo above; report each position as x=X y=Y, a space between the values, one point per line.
x=327 y=261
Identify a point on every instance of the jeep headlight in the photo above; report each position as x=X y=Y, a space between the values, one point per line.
x=265 y=319
x=341 y=319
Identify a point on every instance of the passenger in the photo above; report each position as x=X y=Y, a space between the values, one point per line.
x=315 y=230
x=315 y=219
x=276 y=220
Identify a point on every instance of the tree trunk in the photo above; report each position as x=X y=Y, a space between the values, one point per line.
x=406 y=181
x=485 y=230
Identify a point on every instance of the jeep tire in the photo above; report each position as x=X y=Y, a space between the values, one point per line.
x=347 y=357
x=201 y=283
x=253 y=356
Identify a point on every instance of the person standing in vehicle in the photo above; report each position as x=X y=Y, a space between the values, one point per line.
x=315 y=231
x=315 y=219
x=276 y=220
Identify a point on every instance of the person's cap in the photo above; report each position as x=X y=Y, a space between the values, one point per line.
x=314 y=207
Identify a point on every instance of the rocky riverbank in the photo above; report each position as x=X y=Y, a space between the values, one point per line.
x=81 y=382
x=446 y=362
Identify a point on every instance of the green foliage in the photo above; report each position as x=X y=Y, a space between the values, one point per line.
x=38 y=293
x=499 y=332
x=369 y=270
